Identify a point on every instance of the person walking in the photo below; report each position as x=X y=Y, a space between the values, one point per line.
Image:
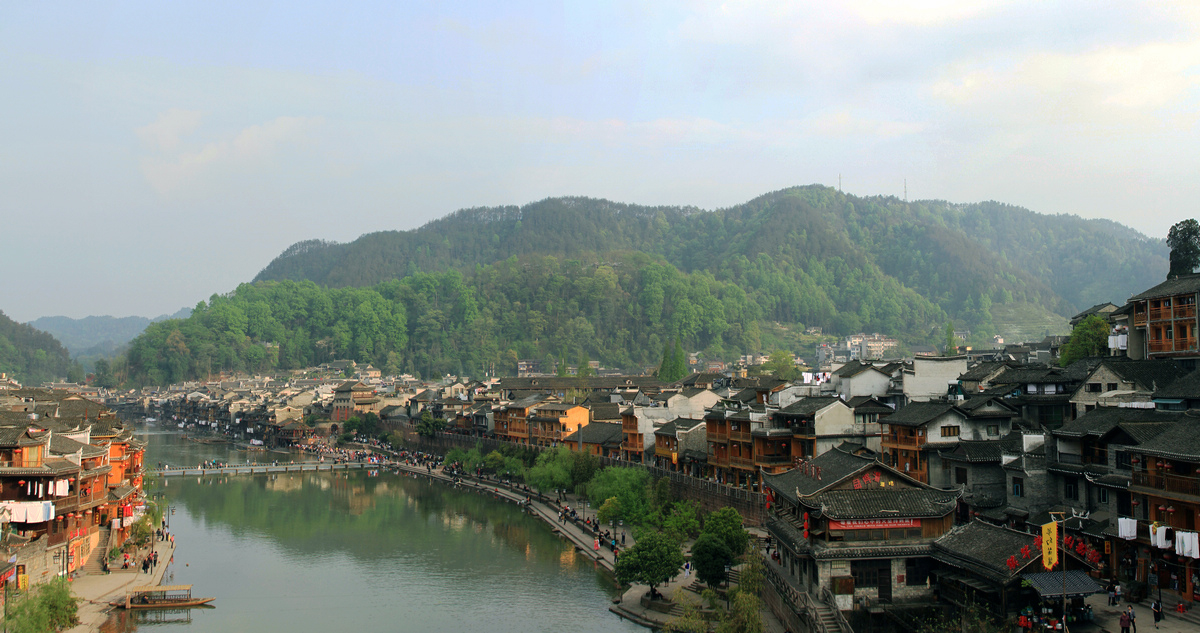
x=1132 y=618
x=1112 y=593
x=1156 y=609
x=1125 y=622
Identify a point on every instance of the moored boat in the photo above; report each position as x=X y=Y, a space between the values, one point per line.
x=161 y=597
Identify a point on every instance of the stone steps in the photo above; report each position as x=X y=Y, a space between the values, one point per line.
x=95 y=561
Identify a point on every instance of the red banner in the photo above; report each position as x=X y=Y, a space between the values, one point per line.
x=873 y=524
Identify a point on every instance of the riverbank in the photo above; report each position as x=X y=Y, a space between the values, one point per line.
x=629 y=606
x=96 y=591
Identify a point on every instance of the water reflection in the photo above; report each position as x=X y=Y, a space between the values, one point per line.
x=318 y=551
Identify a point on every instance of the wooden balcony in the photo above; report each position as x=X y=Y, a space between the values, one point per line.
x=1160 y=313
x=739 y=436
x=1139 y=318
x=720 y=435
x=1178 y=484
x=1173 y=345
x=744 y=462
x=904 y=441
x=1184 y=311
x=772 y=460
x=719 y=460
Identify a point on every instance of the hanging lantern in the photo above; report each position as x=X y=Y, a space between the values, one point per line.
x=1170 y=508
x=1169 y=466
x=22 y=482
x=88 y=512
x=1159 y=463
x=61 y=517
x=1135 y=460
x=1162 y=508
x=1136 y=502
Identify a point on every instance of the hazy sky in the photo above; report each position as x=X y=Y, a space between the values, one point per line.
x=152 y=154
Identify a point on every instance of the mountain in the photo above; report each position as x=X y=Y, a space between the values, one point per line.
x=574 y=279
x=99 y=335
x=31 y=355
x=797 y=247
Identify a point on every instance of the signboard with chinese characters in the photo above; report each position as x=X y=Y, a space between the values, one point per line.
x=873 y=524
x=1050 y=545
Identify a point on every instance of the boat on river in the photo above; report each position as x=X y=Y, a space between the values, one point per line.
x=161 y=597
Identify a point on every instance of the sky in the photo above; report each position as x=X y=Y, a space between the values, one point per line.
x=153 y=154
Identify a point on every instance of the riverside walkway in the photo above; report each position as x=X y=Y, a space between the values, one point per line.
x=261 y=469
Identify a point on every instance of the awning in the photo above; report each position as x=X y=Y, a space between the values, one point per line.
x=1049 y=584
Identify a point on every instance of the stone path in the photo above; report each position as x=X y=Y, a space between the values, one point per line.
x=96 y=590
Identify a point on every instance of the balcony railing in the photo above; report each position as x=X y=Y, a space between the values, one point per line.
x=1173 y=345
x=718 y=436
x=1159 y=313
x=1167 y=482
x=1184 y=311
x=739 y=436
x=772 y=460
x=1139 y=318
x=903 y=440
x=741 y=462
x=718 y=460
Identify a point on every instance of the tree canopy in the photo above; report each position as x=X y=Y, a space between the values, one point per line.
x=1184 y=242
x=1089 y=338
x=654 y=559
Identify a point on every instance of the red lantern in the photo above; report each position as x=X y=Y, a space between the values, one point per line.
x=1162 y=508
x=1170 y=508
x=22 y=482
x=1136 y=502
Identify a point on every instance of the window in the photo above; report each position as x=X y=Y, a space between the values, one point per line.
x=916 y=571
x=1018 y=487
x=1112 y=386
x=1071 y=489
x=867 y=573
x=1093 y=387
x=1102 y=495
x=993 y=430
x=960 y=475
x=949 y=431
x=1123 y=460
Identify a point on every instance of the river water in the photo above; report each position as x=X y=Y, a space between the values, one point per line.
x=349 y=551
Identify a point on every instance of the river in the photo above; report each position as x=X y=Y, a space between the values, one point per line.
x=352 y=551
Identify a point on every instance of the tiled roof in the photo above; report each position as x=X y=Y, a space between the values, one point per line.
x=874 y=503
x=1183 y=284
x=835 y=465
x=975 y=451
x=597 y=433
x=983 y=549
x=1101 y=420
x=1182 y=388
x=809 y=405
x=1180 y=441
x=919 y=413
x=1147 y=374
x=867 y=404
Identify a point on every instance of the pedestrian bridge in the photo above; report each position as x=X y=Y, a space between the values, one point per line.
x=260 y=469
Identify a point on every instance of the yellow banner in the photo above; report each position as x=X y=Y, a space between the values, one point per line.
x=674 y=458
x=1050 y=545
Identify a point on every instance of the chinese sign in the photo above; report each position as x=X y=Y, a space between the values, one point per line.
x=1050 y=545
x=873 y=524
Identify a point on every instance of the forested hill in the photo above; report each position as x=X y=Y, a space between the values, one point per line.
x=960 y=257
x=31 y=355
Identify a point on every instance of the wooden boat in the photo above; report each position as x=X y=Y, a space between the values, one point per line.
x=161 y=597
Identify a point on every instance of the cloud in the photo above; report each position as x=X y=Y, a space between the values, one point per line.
x=250 y=148
x=170 y=127
x=920 y=12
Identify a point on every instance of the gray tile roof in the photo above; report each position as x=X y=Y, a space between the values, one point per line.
x=875 y=503
x=983 y=549
x=1180 y=441
x=809 y=405
x=919 y=413
x=1185 y=387
x=597 y=433
x=835 y=465
x=975 y=451
x=1184 y=284
x=1147 y=374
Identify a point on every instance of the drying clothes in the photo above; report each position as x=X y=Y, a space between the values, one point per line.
x=1127 y=529
x=60 y=488
x=1160 y=537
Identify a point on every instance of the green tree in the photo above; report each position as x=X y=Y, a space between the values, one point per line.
x=710 y=555
x=1089 y=338
x=683 y=522
x=609 y=511
x=726 y=524
x=951 y=341
x=1184 y=242
x=782 y=365
x=49 y=607
x=429 y=426
x=552 y=471
x=654 y=559
x=628 y=485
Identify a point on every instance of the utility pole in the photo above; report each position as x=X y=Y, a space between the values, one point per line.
x=1062 y=560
